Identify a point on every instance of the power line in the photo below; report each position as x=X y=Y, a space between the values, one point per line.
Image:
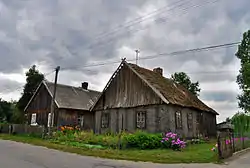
x=162 y=20
x=141 y=19
x=207 y=48
x=105 y=42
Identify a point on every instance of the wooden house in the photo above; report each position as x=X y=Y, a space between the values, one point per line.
x=72 y=105
x=139 y=98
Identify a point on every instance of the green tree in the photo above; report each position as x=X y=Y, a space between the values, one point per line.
x=33 y=79
x=241 y=122
x=243 y=79
x=183 y=79
x=5 y=111
x=228 y=119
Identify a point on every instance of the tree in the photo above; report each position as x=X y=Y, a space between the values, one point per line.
x=33 y=79
x=183 y=79
x=228 y=119
x=5 y=111
x=243 y=79
x=241 y=122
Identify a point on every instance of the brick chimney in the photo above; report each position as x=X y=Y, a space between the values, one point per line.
x=85 y=85
x=158 y=70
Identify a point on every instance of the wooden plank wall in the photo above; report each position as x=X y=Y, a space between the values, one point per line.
x=127 y=90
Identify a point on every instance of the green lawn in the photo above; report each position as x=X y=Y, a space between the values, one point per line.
x=192 y=154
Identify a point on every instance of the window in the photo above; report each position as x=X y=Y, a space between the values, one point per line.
x=178 y=119
x=105 y=120
x=141 y=120
x=190 y=120
x=80 y=120
x=49 y=119
x=33 y=119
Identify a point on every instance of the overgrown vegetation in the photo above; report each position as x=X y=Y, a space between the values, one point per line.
x=138 y=140
x=79 y=143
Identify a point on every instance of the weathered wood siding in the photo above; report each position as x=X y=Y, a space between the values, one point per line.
x=41 y=106
x=127 y=90
x=160 y=118
x=70 y=117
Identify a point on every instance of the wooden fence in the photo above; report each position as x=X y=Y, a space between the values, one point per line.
x=23 y=129
x=229 y=143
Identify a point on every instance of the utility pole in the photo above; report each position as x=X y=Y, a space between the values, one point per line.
x=137 y=55
x=52 y=108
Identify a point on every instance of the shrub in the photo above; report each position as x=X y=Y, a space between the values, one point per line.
x=138 y=140
x=172 y=141
x=142 y=140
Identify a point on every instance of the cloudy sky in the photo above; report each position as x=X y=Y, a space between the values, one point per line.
x=77 y=33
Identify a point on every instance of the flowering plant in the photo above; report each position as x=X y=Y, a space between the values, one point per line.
x=170 y=140
x=215 y=148
x=67 y=129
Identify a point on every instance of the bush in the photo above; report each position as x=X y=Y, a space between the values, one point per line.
x=142 y=140
x=138 y=140
x=172 y=141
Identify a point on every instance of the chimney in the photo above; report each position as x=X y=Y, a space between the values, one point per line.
x=85 y=85
x=158 y=70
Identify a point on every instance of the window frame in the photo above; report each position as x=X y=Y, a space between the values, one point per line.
x=141 y=118
x=178 y=120
x=190 y=120
x=80 y=120
x=33 y=120
x=105 y=120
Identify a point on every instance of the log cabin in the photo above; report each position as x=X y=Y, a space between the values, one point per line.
x=139 y=98
x=72 y=105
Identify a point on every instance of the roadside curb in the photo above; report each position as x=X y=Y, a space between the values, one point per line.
x=236 y=155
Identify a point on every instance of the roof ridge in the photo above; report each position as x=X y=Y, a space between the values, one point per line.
x=71 y=86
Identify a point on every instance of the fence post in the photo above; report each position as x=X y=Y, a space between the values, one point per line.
x=233 y=142
x=243 y=141
x=219 y=146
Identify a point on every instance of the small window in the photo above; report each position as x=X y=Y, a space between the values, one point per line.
x=105 y=120
x=49 y=119
x=190 y=120
x=33 y=119
x=141 y=120
x=178 y=120
x=80 y=120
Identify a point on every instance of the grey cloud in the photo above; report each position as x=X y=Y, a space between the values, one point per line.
x=219 y=96
x=72 y=25
x=7 y=85
x=59 y=33
x=64 y=29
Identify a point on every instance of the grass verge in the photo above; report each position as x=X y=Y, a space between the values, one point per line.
x=199 y=153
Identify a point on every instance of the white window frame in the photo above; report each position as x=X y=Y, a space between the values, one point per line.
x=49 y=119
x=33 y=119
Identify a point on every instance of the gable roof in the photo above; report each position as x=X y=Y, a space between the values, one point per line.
x=169 y=91
x=69 y=97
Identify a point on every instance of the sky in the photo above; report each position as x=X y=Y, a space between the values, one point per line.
x=76 y=34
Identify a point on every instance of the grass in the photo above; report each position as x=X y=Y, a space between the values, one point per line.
x=199 y=153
